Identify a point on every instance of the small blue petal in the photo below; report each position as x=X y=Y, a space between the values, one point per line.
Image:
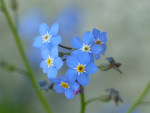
x=76 y=42
x=97 y=56
x=75 y=52
x=91 y=68
x=72 y=61
x=71 y=75
x=87 y=38
x=83 y=79
x=43 y=29
x=52 y=72
x=58 y=63
x=69 y=93
x=56 y=40
x=96 y=33
x=44 y=66
x=54 y=29
x=83 y=57
x=104 y=47
x=37 y=42
x=45 y=53
x=91 y=58
x=54 y=52
x=95 y=48
x=63 y=78
x=55 y=80
x=103 y=37
x=74 y=85
x=58 y=88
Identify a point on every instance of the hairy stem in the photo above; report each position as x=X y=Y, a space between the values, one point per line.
x=25 y=61
x=140 y=98
x=82 y=99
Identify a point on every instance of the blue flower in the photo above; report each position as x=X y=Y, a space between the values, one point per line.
x=48 y=36
x=100 y=39
x=51 y=63
x=86 y=44
x=63 y=85
x=80 y=67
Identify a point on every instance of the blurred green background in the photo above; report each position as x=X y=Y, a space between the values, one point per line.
x=127 y=23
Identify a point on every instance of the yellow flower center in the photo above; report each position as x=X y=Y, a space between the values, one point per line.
x=86 y=48
x=80 y=68
x=98 y=42
x=49 y=61
x=64 y=85
x=46 y=38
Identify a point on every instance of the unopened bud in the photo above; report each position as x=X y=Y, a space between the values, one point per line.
x=104 y=67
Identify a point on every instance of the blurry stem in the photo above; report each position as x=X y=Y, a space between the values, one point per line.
x=140 y=98
x=65 y=47
x=10 y=67
x=26 y=63
x=82 y=99
x=91 y=100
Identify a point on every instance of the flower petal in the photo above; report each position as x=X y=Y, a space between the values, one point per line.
x=58 y=63
x=54 y=52
x=55 y=80
x=76 y=42
x=103 y=37
x=37 y=42
x=95 y=48
x=96 y=33
x=43 y=29
x=56 y=40
x=83 y=57
x=91 y=58
x=74 y=85
x=71 y=75
x=104 y=47
x=87 y=38
x=69 y=93
x=75 y=52
x=54 y=29
x=63 y=78
x=91 y=68
x=97 y=56
x=72 y=61
x=44 y=66
x=83 y=79
x=52 y=72
x=58 y=88
x=45 y=53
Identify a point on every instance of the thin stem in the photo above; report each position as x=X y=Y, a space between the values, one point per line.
x=82 y=99
x=91 y=100
x=26 y=63
x=140 y=98
x=65 y=47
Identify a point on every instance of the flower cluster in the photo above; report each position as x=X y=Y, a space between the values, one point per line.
x=80 y=62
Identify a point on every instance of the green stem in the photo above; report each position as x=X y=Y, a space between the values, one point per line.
x=26 y=63
x=91 y=100
x=140 y=98
x=82 y=99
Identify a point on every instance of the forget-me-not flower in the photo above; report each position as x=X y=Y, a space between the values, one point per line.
x=48 y=36
x=86 y=44
x=63 y=85
x=100 y=39
x=80 y=67
x=51 y=63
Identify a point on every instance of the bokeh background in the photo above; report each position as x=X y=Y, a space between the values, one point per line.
x=127 y=23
